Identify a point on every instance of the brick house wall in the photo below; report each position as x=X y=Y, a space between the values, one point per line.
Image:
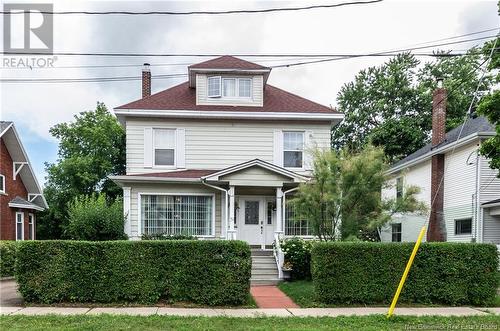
x=13 y=188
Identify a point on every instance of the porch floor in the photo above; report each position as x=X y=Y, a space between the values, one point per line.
x=271 y=297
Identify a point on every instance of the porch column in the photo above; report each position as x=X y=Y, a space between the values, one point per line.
x=279 y=208
x=126 y=211
x=231 y=233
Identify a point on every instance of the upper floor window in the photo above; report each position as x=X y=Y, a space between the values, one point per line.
x=293 y=149
x=214 y=86
x=230 y=87
x=399 y=187
x=2 y=184
x=164 y=147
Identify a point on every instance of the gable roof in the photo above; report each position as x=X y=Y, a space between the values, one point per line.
x=477 y=125
x=228 y=62
x=16 y=150
x=182 y=97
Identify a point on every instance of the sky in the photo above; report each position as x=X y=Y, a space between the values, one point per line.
x=354 y=29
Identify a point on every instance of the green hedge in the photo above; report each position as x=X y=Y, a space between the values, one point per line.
x=442 y=273
x=7 y=257
x=205 y=272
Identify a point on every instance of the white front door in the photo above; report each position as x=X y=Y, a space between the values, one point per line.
x=252 y=217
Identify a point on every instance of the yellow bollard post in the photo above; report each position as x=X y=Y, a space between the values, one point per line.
x=405 y=273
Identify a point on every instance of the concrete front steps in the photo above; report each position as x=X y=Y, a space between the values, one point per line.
x=264 y=269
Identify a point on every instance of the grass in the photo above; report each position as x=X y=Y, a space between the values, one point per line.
x=302 y=293
x=117 y=322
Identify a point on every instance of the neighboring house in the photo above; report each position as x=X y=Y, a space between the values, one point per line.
x=467 y=204
x=216 y=156
x=20 y=194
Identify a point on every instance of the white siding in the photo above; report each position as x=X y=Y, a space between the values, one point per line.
x=459 y=190
x=255 y=176
x=489 y=189
x=217 y=144
x=257 y=99
x=169 y=188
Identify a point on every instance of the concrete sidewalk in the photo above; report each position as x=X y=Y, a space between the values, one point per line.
x=280 y=312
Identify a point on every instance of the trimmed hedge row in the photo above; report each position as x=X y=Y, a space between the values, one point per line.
x=7 y=257
x=442 y=273
x=204 y=272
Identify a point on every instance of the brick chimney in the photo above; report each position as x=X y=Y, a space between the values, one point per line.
x=146 y=80
x=437 y=227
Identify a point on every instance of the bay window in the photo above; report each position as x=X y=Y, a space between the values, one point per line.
x=293 y=149
x=295 y=227
x=164 y=147
x=177 y=214
x=31 y=226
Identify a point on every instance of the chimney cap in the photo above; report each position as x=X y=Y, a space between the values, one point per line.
x=145 y=67
x=439 y=81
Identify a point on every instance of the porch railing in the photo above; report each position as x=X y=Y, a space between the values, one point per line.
x=279 y=256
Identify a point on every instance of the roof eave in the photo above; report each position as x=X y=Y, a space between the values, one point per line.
x=207 y=114
x=462 y=141
x=23 y=206
x=122 y=180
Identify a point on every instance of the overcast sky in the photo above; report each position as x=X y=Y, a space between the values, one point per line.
x=357 y=29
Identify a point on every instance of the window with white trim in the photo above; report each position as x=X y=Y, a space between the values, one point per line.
x=19 y=225
x=31 y=226
x=177 y=214
x=463 y=226
x=396 y=232
x=164 y=147
x=214 y=86
x=294 y=226
x=229 y=87
x=293 y=149
x=2 y=184
x=245 y=87
x=399 y=187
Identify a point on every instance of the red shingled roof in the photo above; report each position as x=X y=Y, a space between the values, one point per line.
x=227 y=62
x=191 y=173
x=182 y=97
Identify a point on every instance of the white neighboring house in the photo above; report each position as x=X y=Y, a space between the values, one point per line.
x=216 y=156
x=470 y=188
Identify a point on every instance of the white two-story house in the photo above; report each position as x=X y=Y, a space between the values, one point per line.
x=456 y=183
x=216 y=157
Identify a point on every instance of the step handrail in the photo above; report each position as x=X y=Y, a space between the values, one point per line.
x=279 y=256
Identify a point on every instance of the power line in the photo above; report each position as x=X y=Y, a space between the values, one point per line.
x=386 y=53
x=218 y=12
x=87 y=80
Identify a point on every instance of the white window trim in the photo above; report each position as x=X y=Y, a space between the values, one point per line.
x=139 y=220
x=159 y=166
x=31 y=221
x=220 y=87
x=2 y=179
x=22 y=225
x=236 y=96
x=463 y=234
x=302 y=168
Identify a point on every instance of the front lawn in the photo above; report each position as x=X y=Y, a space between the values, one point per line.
x=302 y=293
x=117 y=322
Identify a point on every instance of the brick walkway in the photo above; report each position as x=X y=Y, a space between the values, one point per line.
x=271 y=297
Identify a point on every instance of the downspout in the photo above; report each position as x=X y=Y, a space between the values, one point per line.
x=203 y=181
x=479 y=218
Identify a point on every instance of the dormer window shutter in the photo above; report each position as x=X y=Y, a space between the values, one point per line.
x=214 y=86
x=278 y=148
x=180 y=148
x=148 y=147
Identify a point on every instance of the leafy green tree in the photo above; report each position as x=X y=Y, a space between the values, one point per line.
x=91 y=148
x=343 y=199
x=391 y=105
x=93 y=218
x=489 y=106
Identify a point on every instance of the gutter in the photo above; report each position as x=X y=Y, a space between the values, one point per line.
x=203 y=181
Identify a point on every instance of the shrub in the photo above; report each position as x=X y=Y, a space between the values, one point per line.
x=93 y=218
x=7 y=257
x=443 y=273
x=202 y=271
x=166 y=236
x=298 y=254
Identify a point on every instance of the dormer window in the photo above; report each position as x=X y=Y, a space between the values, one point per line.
x=229 y=87
x=214 y=86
